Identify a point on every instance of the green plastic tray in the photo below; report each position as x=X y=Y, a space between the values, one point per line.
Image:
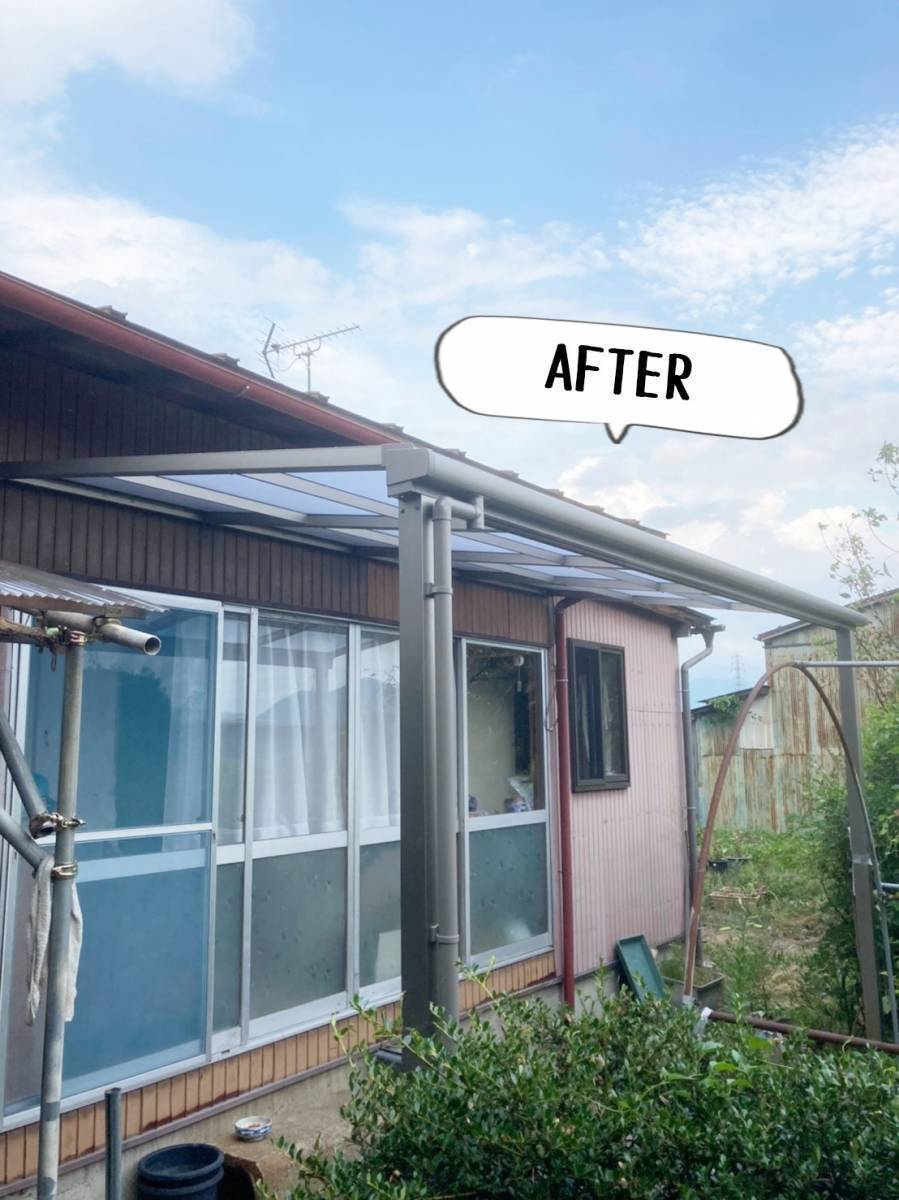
x=638 y=968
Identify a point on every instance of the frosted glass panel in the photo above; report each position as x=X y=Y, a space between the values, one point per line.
x=505 y=731
x=379 y=913
x=232 y=743
x=228 y=928
x=141 y=1000
x=146 y=732
x=508 y=892
x=299 y=930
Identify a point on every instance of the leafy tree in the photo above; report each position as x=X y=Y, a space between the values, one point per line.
x=862 y=552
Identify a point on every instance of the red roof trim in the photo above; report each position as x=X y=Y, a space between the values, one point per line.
x=109 y=331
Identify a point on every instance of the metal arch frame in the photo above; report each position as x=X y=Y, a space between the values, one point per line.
x=865 y=868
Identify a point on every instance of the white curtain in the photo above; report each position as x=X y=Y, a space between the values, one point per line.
x=300 y=769
x=378 y=773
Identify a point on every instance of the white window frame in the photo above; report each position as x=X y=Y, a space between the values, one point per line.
x=260 y=1031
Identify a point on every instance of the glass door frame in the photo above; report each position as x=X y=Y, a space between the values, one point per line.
x=515 y=951
x=10 y=863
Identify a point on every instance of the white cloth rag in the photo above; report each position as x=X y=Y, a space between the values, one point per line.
x=38 y=937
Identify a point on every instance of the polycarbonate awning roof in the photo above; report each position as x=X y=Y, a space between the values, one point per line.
x=346 y=497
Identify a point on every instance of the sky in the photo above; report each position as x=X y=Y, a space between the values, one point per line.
x=212 y=166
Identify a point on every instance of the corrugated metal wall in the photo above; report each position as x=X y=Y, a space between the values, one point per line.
x=628 y=844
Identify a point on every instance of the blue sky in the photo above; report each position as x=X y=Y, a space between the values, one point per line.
x=732 y=169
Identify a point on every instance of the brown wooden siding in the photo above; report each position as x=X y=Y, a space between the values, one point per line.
x=48 y=411
x=83 y=1130
x=130 y=547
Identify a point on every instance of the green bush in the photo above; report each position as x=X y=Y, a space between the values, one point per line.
x=833 y=985
x=631 y=1100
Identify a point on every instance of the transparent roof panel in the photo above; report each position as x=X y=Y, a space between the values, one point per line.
x=243 y=487
x=370 y=484
x=350 y=507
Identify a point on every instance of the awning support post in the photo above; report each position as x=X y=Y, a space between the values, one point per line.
x=859 y=844
x=63 y=881
x=429 y=787
x=445 y=927
x=417 y=773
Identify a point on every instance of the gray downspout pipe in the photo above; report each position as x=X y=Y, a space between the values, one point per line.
x=690 y=767
x=445 y=913
x=63 y=881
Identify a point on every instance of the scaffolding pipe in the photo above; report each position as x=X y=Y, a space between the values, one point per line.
x=690 y=772
x=106 y=630
x=20 y=841
x=445 y=928
x=114 y=1144
x=29 y=793
x=63 y=881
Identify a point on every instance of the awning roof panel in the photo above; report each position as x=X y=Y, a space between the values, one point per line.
x=346 y=497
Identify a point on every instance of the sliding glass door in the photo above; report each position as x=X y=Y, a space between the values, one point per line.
x=507 y=895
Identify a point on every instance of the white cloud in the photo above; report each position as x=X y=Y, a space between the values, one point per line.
x=765 y=512
x=630 y=498
x=173 y=274
x=186 y=45
x=863 y=346
x=699 y=535
x=805 y=532
x=424 y=257
x=777 y=226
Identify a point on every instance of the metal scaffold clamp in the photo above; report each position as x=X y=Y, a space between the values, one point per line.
x=63 y=871
x=45 y=823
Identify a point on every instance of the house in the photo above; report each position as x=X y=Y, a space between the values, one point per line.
x=240 y=866
x=788 y=736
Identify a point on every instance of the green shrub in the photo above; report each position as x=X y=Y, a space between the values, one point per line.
x=633 y=1100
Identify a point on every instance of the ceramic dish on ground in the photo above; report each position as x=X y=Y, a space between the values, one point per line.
x=252 y=1129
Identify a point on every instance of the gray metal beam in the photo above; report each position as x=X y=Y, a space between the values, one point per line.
x=859 y=845
x=224 y=462
x=530 y=512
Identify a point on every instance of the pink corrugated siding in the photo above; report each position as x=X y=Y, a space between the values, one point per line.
x=628 y=844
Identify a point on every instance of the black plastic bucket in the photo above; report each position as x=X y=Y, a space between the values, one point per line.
x=180 y=1171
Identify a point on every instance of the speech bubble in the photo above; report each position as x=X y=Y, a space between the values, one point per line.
x=618 y=376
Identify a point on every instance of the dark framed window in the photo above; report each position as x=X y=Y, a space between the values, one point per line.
x=598 y=717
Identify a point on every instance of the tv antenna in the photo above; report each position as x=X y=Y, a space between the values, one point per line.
x=302 y=348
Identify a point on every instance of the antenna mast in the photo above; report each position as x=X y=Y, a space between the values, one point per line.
x=302 y=348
